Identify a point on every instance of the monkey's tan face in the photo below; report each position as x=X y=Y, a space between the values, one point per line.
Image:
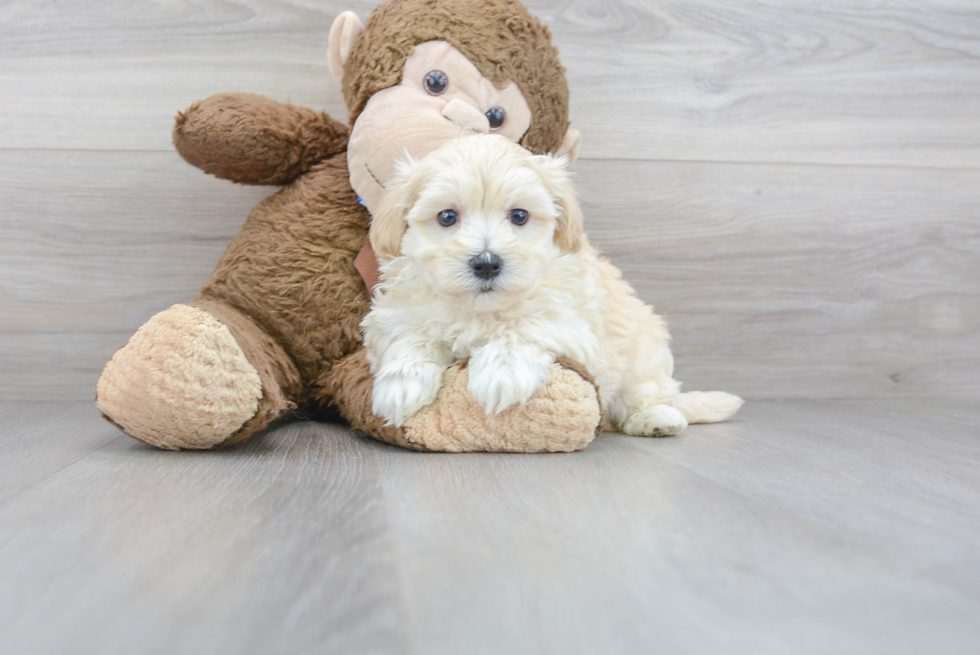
x=442 y=96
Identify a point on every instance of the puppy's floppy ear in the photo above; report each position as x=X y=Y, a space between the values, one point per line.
x=570 y=230
x=570 y=147
x=571 y=223
x=388 y=224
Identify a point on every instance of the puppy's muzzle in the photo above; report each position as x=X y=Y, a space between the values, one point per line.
x=486 y=265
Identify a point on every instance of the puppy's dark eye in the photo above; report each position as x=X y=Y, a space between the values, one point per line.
x=448 y=217
x=436 y=83
x=496 y=116
x=518 y=216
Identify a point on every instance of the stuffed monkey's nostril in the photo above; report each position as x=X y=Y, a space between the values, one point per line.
x=466 y=115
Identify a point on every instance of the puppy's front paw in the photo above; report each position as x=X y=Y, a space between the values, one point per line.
x=655 y=421
x=501 y=380
x=397 y=395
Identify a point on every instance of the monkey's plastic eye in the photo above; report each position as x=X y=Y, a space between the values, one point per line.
x=496 y=116
x=518 y=216
x=448 y=217
x=436 y=83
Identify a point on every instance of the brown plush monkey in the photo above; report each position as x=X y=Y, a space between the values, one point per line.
x=277 y=327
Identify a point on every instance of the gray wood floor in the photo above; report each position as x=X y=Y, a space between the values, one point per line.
x=800 y=527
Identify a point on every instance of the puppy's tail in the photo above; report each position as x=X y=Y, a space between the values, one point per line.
x=707 y=406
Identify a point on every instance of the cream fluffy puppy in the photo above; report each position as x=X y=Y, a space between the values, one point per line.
x=484 y=256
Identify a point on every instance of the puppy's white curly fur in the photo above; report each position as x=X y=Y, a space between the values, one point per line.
x=553 y=296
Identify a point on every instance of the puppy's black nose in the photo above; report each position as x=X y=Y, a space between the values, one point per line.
x=486 y=266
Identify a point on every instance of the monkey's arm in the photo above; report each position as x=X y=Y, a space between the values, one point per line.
x=251 y=139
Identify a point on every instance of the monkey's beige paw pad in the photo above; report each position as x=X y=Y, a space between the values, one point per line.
x=182 y=381
x=561 y=416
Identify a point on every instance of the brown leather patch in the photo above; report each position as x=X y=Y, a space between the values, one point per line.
x=367 y=265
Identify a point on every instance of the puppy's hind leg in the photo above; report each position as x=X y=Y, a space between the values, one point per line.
x=650 y=411
x=664 y=417
x=653 y=413
x=648 y=387
x=655 y=421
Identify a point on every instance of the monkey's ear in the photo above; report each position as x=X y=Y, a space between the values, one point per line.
x=569 y=146
x=346 y=28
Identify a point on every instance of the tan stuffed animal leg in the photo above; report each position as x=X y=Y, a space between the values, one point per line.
x=196 y=376
x=562 y=416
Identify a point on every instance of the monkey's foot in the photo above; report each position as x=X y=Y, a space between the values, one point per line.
x=182 y=381
x=562 y=415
